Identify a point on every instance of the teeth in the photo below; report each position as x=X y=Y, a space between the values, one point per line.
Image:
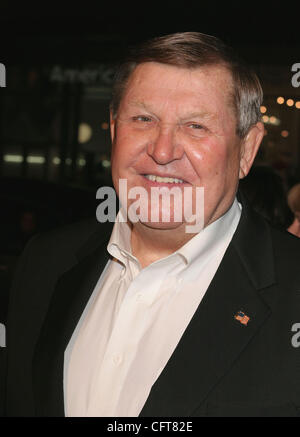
x=154 y=178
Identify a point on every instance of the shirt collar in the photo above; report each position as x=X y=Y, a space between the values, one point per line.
x=119 y=245
x=212 y=236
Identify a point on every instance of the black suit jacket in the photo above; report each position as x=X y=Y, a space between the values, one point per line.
x=220 y=366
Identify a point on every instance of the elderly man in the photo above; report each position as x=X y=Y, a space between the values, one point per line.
x=142 y=318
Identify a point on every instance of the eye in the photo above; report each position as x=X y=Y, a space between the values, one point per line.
x=195 y=129
x=142 y=118
x=196 y=126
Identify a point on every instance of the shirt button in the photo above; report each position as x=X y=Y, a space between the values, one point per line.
x=117 y=359
x=138 y=296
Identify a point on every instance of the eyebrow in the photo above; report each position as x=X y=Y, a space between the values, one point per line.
x=139 y=104
x=203 y=114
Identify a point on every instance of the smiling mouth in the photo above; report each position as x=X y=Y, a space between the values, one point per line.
x=165 y=180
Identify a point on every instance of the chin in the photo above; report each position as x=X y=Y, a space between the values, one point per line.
x=162 y=225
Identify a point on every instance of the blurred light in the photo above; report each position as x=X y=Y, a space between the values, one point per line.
x=81 y=162
x=271 y=120
x=274 y=120
x=263 y=109
x=68 y=161
x=84 y=132
x=280 y=100
x=297 y=104
x=13 y=158
x=19 y=158
x=284 y=133
x=290 y=102
x=56 y=160
x=104 y=125
x=106 y=163
x=265 y=118
x=35 y=160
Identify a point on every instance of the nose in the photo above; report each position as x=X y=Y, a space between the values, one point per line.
x=165 y=147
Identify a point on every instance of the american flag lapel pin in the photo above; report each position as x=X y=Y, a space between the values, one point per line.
x=242 y=318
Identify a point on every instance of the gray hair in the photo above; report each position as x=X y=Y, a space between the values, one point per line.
x=193 y=50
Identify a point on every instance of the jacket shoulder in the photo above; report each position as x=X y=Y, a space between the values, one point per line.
x=70 y=238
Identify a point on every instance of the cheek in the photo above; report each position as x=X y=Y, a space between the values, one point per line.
x=214 y=162
x=121 y=151
x=208 y=159
x=127 y=145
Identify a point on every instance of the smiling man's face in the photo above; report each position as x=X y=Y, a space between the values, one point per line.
x=180 y=123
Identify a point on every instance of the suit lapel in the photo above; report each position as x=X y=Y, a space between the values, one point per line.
x=67 y=304
x=214 y=338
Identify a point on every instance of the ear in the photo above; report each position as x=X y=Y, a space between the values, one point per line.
x=249 y=148
x=112 y=121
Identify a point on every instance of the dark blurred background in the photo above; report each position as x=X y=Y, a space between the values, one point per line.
x=60 y=59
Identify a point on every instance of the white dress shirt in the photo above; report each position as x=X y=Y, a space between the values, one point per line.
x=135 y=319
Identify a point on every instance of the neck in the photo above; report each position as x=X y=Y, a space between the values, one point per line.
x=150 y=244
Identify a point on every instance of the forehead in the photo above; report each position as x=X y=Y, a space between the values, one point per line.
x=153 y=81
